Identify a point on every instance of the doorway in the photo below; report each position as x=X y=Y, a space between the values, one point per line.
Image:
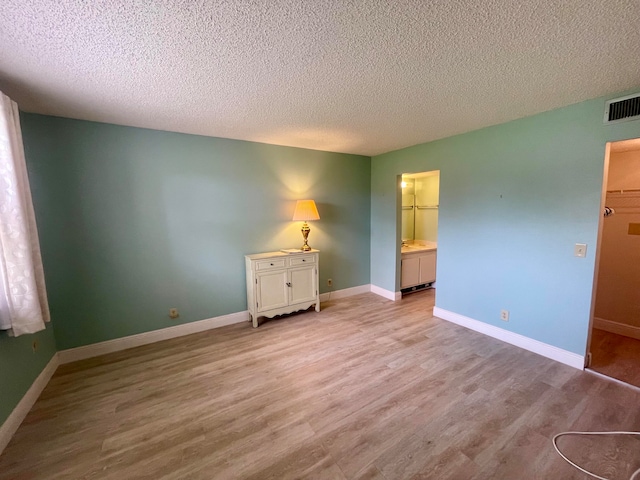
x=420 y=198
x=615 y=333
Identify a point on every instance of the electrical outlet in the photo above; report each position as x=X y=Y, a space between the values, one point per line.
x=580 y=250
x=35 y=346
x=504 y=315
x=329 y=282
x=173 y=313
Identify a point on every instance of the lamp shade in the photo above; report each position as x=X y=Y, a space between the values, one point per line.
x=306 y=210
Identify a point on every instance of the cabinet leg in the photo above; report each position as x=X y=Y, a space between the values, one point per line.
x=317 y=306
x=255 y=321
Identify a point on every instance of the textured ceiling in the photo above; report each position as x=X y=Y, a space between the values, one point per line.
x=359 y=76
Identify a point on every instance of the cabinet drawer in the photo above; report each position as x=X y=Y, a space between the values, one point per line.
x=270 y=264
x=306 y=260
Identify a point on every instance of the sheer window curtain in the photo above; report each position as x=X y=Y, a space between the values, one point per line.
x=23 y=297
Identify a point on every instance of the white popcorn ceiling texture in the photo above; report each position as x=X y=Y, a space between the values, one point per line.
x=355 y=76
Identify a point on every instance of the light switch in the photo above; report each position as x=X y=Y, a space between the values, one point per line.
x=580 y=250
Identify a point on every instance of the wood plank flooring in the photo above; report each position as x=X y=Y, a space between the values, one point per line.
x=366 y=389
x=616 y=356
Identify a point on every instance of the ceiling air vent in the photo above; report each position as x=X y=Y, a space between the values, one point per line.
x=622 y=109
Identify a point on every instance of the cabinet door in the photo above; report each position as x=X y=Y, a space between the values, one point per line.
x=272 y=291
x=303 y=284
x=428 y=268
x=410 y=274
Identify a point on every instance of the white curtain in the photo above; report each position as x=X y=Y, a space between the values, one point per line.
x=23 y=297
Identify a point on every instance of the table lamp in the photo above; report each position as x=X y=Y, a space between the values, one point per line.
x=305 y=210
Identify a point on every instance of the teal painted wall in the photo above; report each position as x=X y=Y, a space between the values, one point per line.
x=20 y=365
x=135 y=221
x=514 y=199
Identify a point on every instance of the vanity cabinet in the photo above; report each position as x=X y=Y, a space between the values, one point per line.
x=418 y=268
x=279 y=283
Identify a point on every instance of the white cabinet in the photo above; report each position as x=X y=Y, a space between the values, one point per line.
x=418 y=268
x=279 y=283
x=428 y=267
x=410 y=272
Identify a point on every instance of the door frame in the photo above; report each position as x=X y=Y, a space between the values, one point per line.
x=596 y=270
x=398 y=279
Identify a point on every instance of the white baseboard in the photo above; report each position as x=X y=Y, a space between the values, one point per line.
x=616 y=327
x=345 y=292
x=118 y=344
x=544 y=349
x=395 y=296
x=13 y=421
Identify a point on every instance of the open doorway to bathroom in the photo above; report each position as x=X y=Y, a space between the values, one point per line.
x=419 y=224
x=615 y=334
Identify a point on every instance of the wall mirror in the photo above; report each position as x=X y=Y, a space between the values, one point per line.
x=420 y=202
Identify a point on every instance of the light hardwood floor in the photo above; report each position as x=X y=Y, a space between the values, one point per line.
x=366 y=389
x=616 y=356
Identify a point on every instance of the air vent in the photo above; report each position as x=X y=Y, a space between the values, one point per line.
x=622 y=109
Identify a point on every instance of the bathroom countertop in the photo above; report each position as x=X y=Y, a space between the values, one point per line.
x=419 y=247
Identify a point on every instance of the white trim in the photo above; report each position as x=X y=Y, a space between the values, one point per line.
x=616 y=327
x=544 y=349
x=345 y=292
x=13 y=421
x=395 y=296
x=117 y=344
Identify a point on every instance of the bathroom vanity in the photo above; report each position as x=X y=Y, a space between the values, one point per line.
x=418 y=265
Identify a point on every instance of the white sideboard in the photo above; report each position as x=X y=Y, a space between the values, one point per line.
x=279 y=283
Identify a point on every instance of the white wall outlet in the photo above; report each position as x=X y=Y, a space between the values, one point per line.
x=329 y=282
x=580 y=250
x=173 y=313
x=504 y=315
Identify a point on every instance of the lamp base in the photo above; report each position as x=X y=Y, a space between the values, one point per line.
x=305 y=234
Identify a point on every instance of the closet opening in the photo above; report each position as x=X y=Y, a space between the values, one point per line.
x=614 y=340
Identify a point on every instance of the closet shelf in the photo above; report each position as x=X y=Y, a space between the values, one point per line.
x=622 y=192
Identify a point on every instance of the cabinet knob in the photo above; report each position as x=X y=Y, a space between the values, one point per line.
x=304 y=259
x=288 y=284
x=271 y=264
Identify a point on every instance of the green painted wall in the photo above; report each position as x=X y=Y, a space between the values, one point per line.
x=135 y=221
x=514 y=199
x=20 y=365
